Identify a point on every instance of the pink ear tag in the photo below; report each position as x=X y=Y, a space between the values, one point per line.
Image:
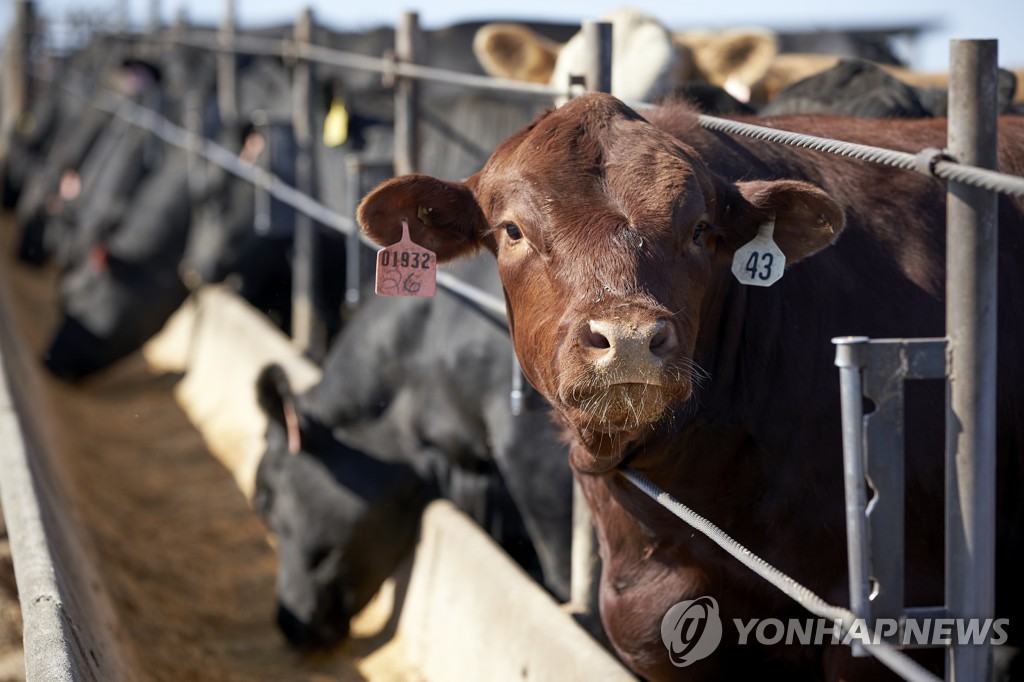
x=406 y=268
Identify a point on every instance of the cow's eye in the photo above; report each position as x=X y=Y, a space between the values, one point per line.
x=513 y=231
x=699 y=231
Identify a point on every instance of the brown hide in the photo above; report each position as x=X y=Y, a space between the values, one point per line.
x=614 y=235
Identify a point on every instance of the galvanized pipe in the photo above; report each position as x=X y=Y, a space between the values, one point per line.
x=971 y=262
x=585 y=576
x=194 y=125
x=597 y=36
x=349 y=60
x=226 y=87
x=307 y=327
x=353 y=246
x=155 y=23
x=261 y=217
x=408 y=50
x=850 y=361
x=17 y=70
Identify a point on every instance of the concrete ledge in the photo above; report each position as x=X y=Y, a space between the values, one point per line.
x=48 y=645
x=470 y=613
x=70 y=627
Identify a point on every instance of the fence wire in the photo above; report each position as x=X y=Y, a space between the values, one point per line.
x=929 y=161
x=891 y=657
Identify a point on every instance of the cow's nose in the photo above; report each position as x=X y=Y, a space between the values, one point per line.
x=628 y=341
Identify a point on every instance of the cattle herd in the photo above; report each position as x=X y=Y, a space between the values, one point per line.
x=611 y=235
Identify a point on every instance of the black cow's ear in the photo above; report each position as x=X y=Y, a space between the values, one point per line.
x=443 y=216
x=274 y=394
x=807 y=219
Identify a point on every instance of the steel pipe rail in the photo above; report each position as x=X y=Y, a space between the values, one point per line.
x=218 y=155
x=289 y=49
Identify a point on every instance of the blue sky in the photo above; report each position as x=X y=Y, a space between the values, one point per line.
x=1001 y=19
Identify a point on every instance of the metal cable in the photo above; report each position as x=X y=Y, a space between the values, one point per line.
x=894 y=659
x=941 y=168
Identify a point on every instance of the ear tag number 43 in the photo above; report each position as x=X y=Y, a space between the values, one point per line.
x=406 y=268
x=760 y=261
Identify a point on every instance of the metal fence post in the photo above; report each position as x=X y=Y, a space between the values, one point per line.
x=226 y=89
x=597 y=35
x=194 y=125
x=307 y=327
x=15 y=97
x=849 y=359
x=585 y=576
x=353 y=247
x=155 y=23
x=409 y=49
x=971 y=257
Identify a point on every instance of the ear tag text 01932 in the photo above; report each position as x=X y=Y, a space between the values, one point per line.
x=406 y=268
x=760 y=261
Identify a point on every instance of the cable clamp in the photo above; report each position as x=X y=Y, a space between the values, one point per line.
x=928 y=158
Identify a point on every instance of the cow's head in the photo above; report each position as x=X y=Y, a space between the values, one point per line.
x=341 y=519
x=613 y=241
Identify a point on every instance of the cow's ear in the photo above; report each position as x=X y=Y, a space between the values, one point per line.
x=807 y=219
x=515 y=51
x=734 y=59
x=443 y=216
x=274 y=394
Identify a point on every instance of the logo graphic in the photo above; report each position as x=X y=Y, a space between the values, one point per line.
x=691 y=630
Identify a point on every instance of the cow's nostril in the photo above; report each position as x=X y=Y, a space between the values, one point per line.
x=664 y=340
x=595 y=339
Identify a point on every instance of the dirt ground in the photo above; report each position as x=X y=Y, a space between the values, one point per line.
x=12 y=656
x=186 y=563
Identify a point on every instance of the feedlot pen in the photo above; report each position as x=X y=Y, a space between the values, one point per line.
x=179 y=569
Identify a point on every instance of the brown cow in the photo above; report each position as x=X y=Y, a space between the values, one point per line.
x=614 y=236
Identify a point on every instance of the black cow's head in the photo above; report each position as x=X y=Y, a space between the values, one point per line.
x=342 y=519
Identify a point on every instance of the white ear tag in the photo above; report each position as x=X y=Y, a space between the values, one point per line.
x=760 y=261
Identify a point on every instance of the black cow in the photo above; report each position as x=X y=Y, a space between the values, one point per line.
x=94 y=164
x=46 y=122
x=123 y=291
x=859 y=88
x=342 y=518
x=122 y=282
x=852 y=88
x=232 y=239
x=426 y=382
